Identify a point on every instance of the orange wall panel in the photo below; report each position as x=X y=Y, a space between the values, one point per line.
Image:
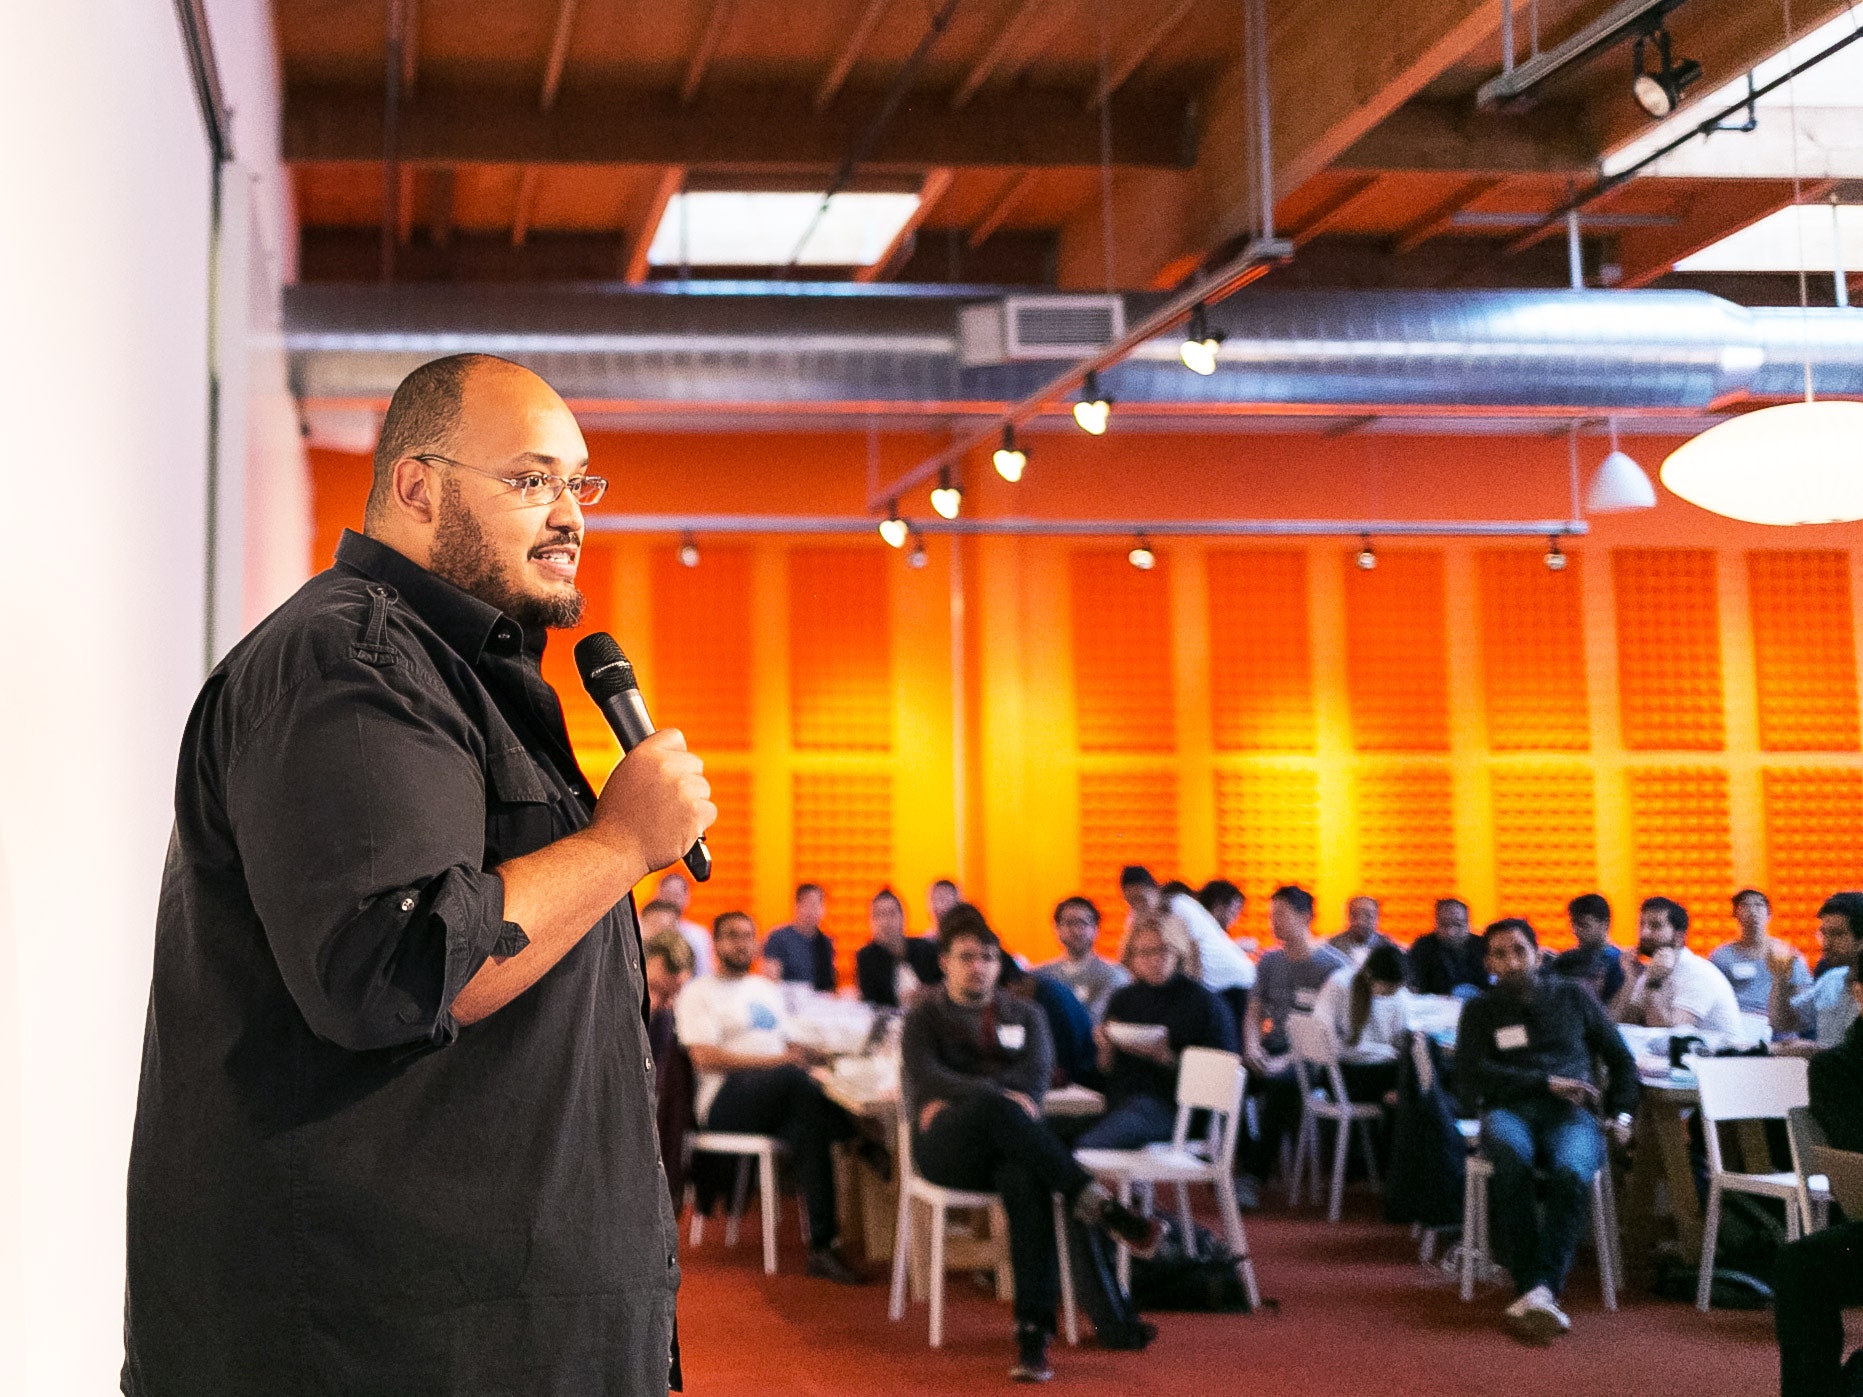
x=1668 y=649
x=1545 y=845
x=1261 y=662
x=701 y=647
x=1814 y=844
x=1397 y=648
x=1267 y=834
x=1681 y=847
x=1406 y=825
x=1533 y=652
x=1804 y=650
x=732 y=886
x=844 y=841
x=1122 y=653
x=840 y=650
x=589 y=734
x=1126 y=816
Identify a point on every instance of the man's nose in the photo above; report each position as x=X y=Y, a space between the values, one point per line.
x=566 y=513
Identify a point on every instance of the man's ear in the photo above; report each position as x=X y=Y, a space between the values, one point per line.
x=411 y=491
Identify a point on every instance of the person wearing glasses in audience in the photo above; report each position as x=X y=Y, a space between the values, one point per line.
x=1819 y=1017
x=1091 y=976
x=1670 y=986
x=1525 y=1055
x=893 y=968
x=1148 y=1025
x=1748 y=962
x=974 y=1066
x=396 y=1123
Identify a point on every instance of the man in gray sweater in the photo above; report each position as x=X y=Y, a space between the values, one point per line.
x=975 y=1063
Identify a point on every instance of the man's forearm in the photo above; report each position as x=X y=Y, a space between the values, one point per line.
x=557 y=895
x=710 y=1059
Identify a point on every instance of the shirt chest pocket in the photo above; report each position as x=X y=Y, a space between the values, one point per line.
x=520 y=808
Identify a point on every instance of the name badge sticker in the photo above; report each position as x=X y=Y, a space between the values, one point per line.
x=1743 y=971
x=1012 y=1036
x=1510 y=1036
x=1305 y=999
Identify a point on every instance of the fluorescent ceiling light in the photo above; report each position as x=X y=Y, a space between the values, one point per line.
x=723 y=228
x=1792 y=239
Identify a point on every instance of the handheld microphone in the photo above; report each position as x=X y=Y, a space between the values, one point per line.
x=609 y=678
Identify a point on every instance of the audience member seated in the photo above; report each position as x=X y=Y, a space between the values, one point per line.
x=752 y=1079
x=1220 y=964
x=1140 y=1069
x=1288 y=980
x=1361 y=933
x=801 y=947
x=1365 y=1010
x=1525 y=1054
x=1748 y=962
x=1594 y=962
x=1815 y=1280
x=675 y=889
x=974 y=1065
x=940 y=898
x=659 y=918
x=666 y=960
x=1449 y=958
x=1224 y=901
x=1670 y=986
x=1139 y=889
x=1091 y=976
x=1820 y=1016
x=892 y=968
x=1070 y=1026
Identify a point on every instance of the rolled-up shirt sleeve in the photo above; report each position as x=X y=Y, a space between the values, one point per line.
x=358 y=809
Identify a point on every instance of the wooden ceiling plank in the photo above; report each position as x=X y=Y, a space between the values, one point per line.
x=1648 y=253
x=850 y=53
x=995 y=55
x=524 y=207
x=410 y=47
x=1441 y=218
x=702 y=55
x=1122 y=71
x=560 y=37
x=636 y=270
x=1334 y=210
x=1005 y=204
x=1453 y=137
x=935 y=185
x=440 y=190
x=404 y=207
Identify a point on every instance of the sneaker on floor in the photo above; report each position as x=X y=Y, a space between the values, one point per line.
x=1031 y=1354
x=1139 y=1233
x=1535 y=1318
x=826 y=1264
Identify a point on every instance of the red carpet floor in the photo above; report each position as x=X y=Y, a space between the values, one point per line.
x=1358 y=1315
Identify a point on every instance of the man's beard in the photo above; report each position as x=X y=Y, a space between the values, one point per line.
x=463 y=557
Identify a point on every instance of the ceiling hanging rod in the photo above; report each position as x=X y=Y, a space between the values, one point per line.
x=1089 y=528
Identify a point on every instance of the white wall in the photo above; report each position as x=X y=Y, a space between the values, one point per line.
x=104 y=253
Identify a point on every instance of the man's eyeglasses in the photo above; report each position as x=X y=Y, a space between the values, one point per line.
x=534 y=487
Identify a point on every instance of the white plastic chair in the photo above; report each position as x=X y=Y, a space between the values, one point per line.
x=1207 y=1080
x=1316 y=1052
x=760 y=1150
x=1749 y=1088
x=1473 y=1257
x=939 y=1201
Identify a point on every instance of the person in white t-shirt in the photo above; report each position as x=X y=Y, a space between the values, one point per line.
x=1364 y=1007
x=1670 y=986
x=753 y=1079
x=1221 y=964
x=675 y=889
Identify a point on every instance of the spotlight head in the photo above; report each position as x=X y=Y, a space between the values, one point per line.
x=1555 y=559
x=1141 y=556
x=892 y=528
x=947 y=499
x=688 y=551
x=1198 y=350
x=1094 y=407
x=1367 y=558
x=1010 y=460
x=1659 y=92
x=918 y=557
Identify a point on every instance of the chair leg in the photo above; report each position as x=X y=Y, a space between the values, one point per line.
x=1342 y=1142
x=1237 y=1238
x=1710 y=1225
x=740 y=1190
x=1184 y=1219
x=1368 y=1139
x=902 y=1255
x=1474 y=1193
x=766 y=1184
x=696 y=1229
x=1302 y=1140
x=1070 y=1320
x=935 y=1281
x=1005 y=1278
x=1124 y=1262
x=1607 y=1252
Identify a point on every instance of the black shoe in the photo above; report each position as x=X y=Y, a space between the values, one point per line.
x=826 y=1263
x=1131 y=1335
x=1139 y=1233
x=1031 y=1354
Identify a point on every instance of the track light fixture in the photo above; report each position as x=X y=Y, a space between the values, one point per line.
x=1660 y=92
x=892 y=528
x=688 y=551
x=1555 y=560
x=948 y=498
x=1010 y=460
x=1093 y=408
x=1141 y=556
x=918 y=557
x=1367 y=556
x=1198 y=350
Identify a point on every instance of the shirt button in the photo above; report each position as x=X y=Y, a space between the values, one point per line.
x=407 y=904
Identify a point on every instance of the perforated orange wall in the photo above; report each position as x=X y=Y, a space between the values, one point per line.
x=1396 y=652
x=1261 y=661
x=1126 y=816
x=1669 y=649
x=732 y=886
x=1814 y=823
x=844 y=839
x=1268 y=830
x=1804 y=650
x=1681 y=845
x=589 y=732
x=701 y=645
x=1406 y=823
x=840 y=650
x=1533 y=652
x=1545 y=844
x=1122 y=654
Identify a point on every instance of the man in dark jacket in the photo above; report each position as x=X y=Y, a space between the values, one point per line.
x=1525 y=1055
x=892 y=968
x=1449 y=959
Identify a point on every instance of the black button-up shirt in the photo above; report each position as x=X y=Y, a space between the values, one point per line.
x=334 y=1187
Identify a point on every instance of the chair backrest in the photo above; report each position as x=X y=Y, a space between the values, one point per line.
x=1843 y=1170
x=1313 y=1044
x=1751 y=1088
x=1420 y=1058
x=1210 y=1080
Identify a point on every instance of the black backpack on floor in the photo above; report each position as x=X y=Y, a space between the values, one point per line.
x=1188 y=1273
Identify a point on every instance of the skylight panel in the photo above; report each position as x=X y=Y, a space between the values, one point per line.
x=726 y=228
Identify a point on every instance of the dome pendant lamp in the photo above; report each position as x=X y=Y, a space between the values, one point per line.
x=1799 y=463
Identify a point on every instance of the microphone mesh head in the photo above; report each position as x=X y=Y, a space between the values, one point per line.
x=605 y=670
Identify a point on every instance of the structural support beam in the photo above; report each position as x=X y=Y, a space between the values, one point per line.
x=663 y=192
x=702 y=55
x=1005 y=204
x=930 y=192
x=994 y=57
x=440 y=185
x=625 y=126
x=1453 y=137
x=1122 y=71
x=1441 y=218
x=560 y=37
x=1336 y=209
x=850 y=52
x=1717 y=210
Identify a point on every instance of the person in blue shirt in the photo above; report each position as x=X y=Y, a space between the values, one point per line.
x=1594 y=961
x=1747 y=963
x=1822 y=1014
x=801 y=947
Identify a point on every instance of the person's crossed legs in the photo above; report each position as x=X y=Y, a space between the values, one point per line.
x=788 y=1103
x=1536 y=1241
x=1815 y=1279
x=1136 y=1121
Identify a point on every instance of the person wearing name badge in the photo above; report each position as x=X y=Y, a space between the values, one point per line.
x=1526 y=1051
x=1748 y=962
x=1091 y=976
x=1817 y=1018
x=1670 y=986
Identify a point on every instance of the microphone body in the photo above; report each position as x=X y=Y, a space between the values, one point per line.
x=609 y=677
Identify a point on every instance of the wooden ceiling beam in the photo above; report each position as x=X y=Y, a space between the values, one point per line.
x=1457 y=138
x=440 y=188
x=850 y=53
x=995 y=56
x=702 y=55
x=753 y=127
x=1005 y=204
x=410 y=47
x=636 y=270
x=560 y=36
x=936 y=183
x=1715 y=210
x=1335 y=210
x=1121 y=72
x=1441 y=218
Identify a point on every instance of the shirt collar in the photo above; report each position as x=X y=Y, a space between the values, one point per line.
x=467 y=624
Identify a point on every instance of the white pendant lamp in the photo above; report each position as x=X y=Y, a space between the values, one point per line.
x=1619 y=484
x=1799 y=463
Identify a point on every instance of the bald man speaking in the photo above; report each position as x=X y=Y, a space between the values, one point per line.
x=395 y=1132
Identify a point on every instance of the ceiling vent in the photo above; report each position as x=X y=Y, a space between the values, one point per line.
x=1038 y=327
